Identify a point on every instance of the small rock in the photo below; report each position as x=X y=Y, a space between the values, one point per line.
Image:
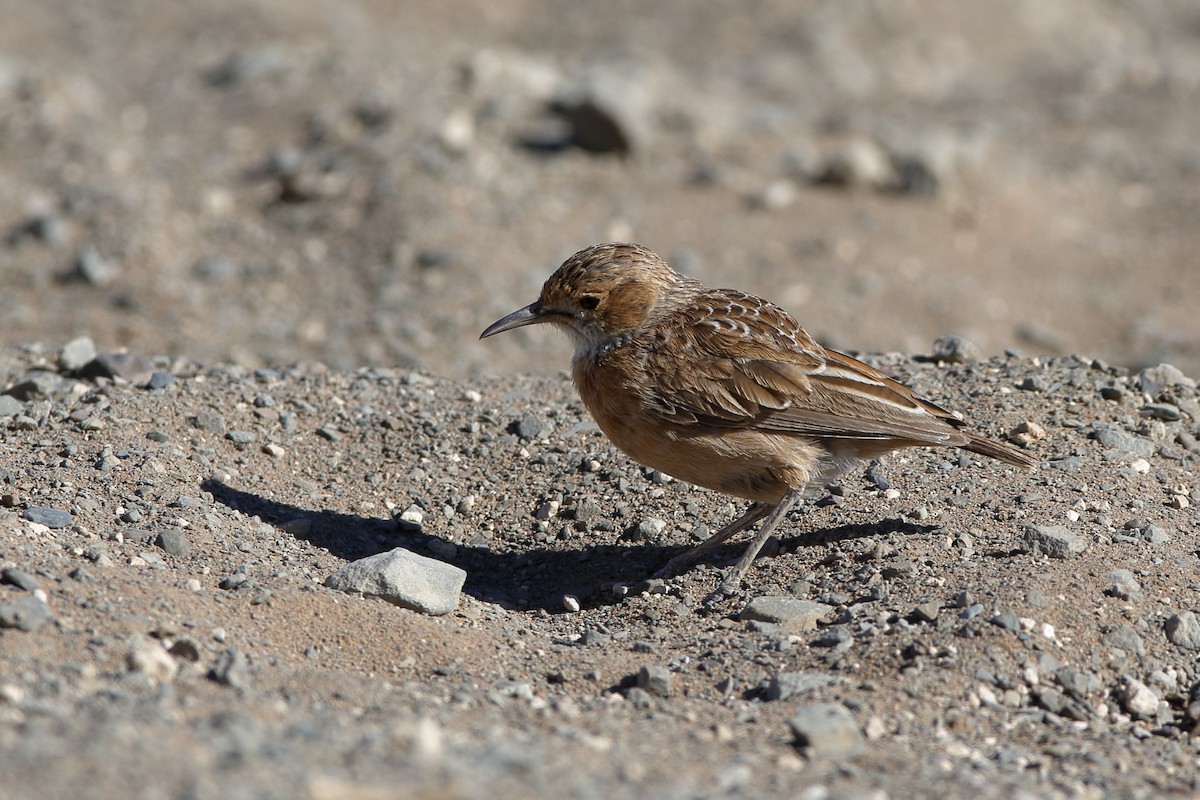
x=174 y=543
x=1123 y=585
x=648 y=529
x=19 y=578
x=1126 y=638
x=927 y=612
x=1152 y=380
x=53 y=518
x=1184 y=630
x=148 y=657
x=76 y=353
x=786 y=685
x=1007 y=620
x=827 y=730
x=1055 y=541
x=797 y=614
x=10 y=406
x=37 y=385
x=527 y=427
x=655 y=680
x=132 y=367
x=160 y=380
x=231 y=669
x=955 y=350
x=93 y=268
x=241 y=438
x=1124 y=443
x=1139 y=700
x=1167 y=412
x=404 y=578
x=209 y=420
x=27 y=614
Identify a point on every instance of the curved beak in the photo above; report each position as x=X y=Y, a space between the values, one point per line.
x=529 y=315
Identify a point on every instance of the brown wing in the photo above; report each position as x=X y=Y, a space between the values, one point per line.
x=749 y=363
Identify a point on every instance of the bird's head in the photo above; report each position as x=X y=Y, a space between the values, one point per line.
x=600 y=295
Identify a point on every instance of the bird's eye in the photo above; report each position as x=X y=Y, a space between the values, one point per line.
x=589 y=302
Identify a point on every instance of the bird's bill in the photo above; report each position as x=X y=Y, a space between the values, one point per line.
x=529 y=315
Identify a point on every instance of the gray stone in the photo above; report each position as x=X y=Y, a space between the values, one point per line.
x=1165 y=375
x=1126 y=638
x=76 y=353
x=10 y=406
x=801 y=615
x=655 y=680
x=1167 y=412
x=1076 y=682
x=132 y=367
x=1154 y=534
x=94 y=268
x=174 y=543
x=240 y=437
x=1184 y=630
x=1123 y=584
x=19 y=578
x=1007 y=620
x=786 y=685
x=528 y=427
x=37 y=385
x=1055 y=541
x=231 y=669
x=1123 y=442
x=53 y=518
x=955 y=350
x=404 y=578
x=160 y=380
x=1139 y=700
x=208 y=420
x=27 y=614
x=827 y=730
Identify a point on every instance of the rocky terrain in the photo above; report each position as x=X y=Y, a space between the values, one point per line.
x=246 y=250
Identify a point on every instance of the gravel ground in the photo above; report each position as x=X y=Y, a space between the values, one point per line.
x=246 y=250
x=955 y=627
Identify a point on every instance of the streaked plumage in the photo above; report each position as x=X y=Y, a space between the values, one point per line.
x=725 y=390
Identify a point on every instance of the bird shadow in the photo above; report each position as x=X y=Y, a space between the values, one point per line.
x=532 y=578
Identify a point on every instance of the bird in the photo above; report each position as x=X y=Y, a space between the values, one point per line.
x=725 y=390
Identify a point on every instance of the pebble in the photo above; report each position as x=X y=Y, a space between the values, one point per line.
x=240 y=437
x=1167 y=412
x=148 y=657
x=797 y=614
x=160 y=380
x=786 y=685
x=955 y=350
x=655 y=680
x=231 y=669
x=132 y=367
x=53 y=518
x=405 y=579
x=1055 y=541
x=19 y=578
x=1126 y=444
x=1139 y=700
x=1126 y=638
x=1007 y=620
x=209 y=420
x=827 y=730
x=1184 y=630
x=10 y=406
x=93 y=268
x=76 y=353
x=37 y=385
x=1123 y=584
x=28 y=614
x=174 y=543
x=527 y=427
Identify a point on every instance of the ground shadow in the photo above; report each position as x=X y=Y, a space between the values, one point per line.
x=537 y=577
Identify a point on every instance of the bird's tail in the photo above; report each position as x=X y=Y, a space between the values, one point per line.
x=997 y=450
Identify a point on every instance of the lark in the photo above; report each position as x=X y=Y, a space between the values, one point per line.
x=725 y=390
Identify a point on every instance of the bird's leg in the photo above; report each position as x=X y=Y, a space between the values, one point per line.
x=733 y=577
x=690 y=556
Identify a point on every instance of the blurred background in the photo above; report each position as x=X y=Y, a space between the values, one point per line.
x=371 y=183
